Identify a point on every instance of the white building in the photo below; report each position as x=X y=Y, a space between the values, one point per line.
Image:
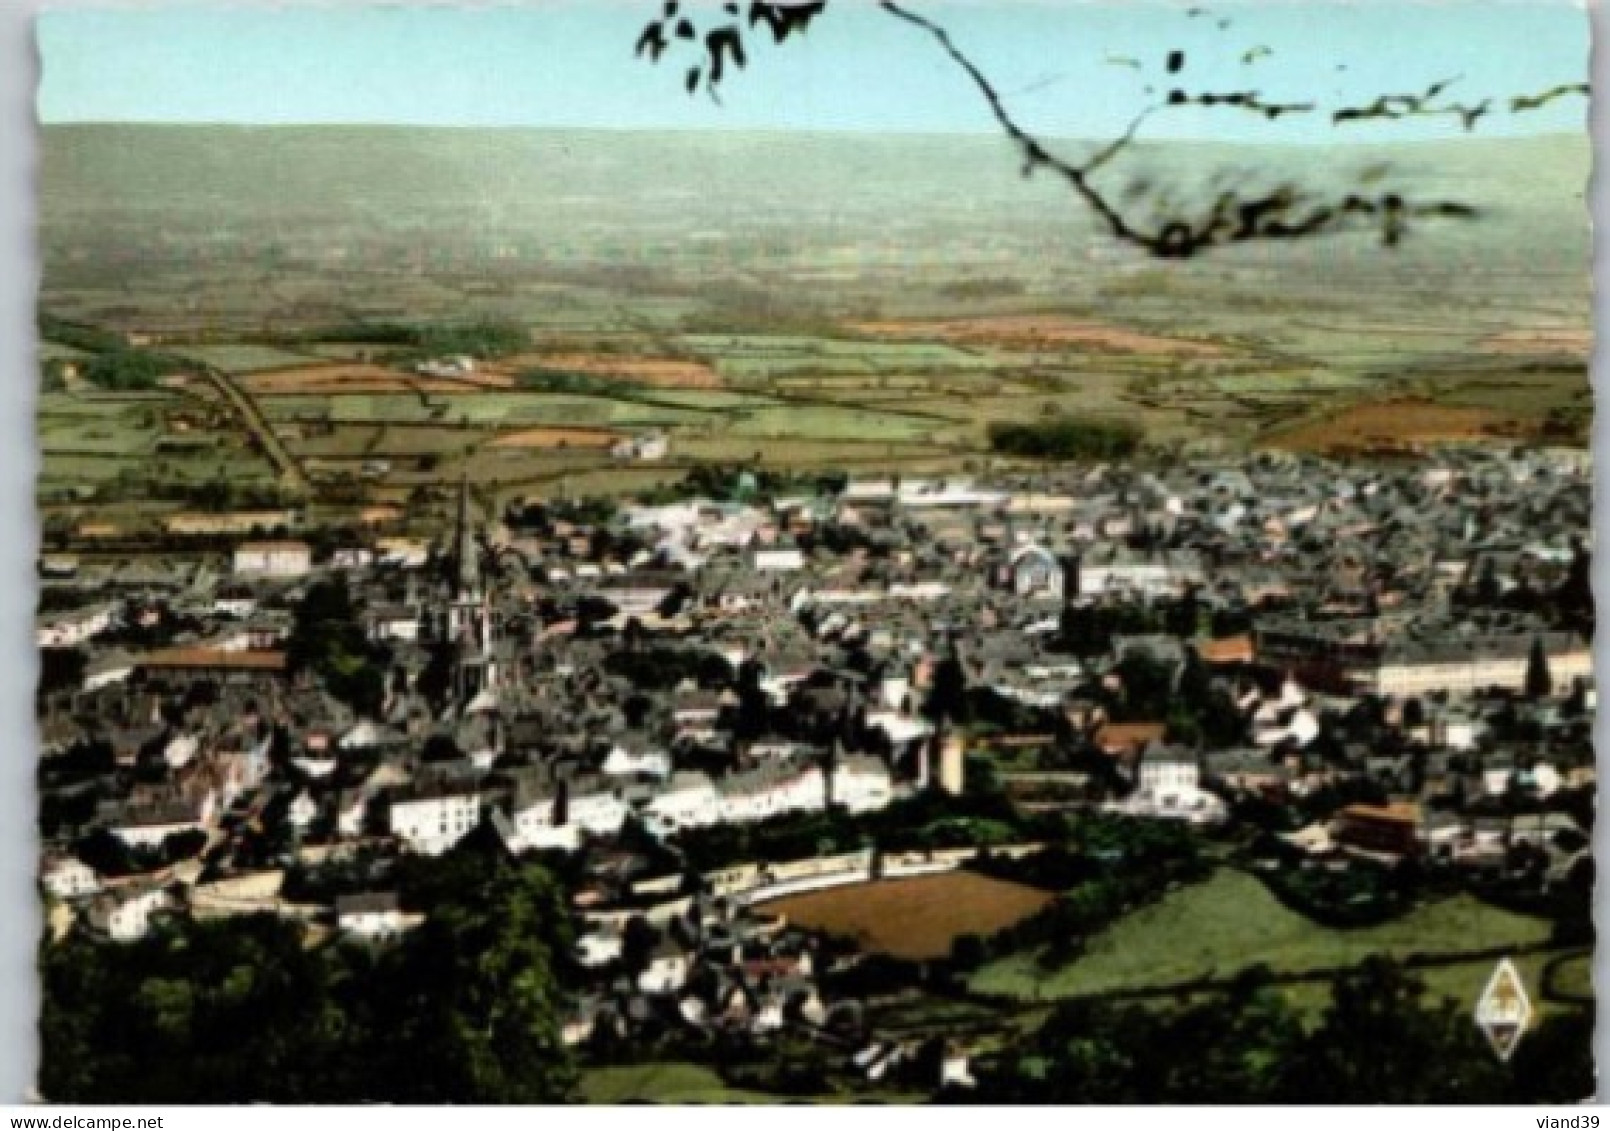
x=1168 y=786
x=235 y=602
x=70 y=629
x=106 y=670
x=458 y=365
x=1466 y=666
x=637 y=594
x=552 y=816
x=351 y=813
x=148 y=825
x=1166 y=773
x=1036 y=573
x=688 y=801
x=273 y=559
x=394 y=623
x=1299 y=725
x=1162 y=574
x=649 y=446
x=862 y=784
x=408 y=552
x=596 y=809
x=666 y=972
x=125 y=915
x=373 y=916
x=433 y=818
x=626 y=760
x=302 y=811
x=67 y=877
x=756 y=795
x=598 y=948
x=782 y=559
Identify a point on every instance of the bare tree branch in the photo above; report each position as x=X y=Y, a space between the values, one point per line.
x=1119 y=144
x=1282 y=213
x=1246 y=100
x=1395 y=106
x=1521 y=103
x=1286 y=211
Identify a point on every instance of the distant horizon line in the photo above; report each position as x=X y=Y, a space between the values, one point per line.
x=506 y=127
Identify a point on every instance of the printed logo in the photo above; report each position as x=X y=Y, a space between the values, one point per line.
x=1504 y=1010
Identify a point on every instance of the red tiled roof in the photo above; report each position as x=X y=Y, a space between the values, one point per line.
x=1229 y=650
x=1119 y=738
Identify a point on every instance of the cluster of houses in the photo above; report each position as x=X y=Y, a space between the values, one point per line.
x=609 y=684
x=711 y=967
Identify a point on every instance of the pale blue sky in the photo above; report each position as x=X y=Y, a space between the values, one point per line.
x=569 y=63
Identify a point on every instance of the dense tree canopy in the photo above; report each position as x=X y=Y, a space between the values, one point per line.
x=1066 y=437
x=328 y=638
x=467 y=1009
x=1375 y=1043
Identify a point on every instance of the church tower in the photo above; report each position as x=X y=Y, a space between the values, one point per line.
x=467 y=603
x=469 y=611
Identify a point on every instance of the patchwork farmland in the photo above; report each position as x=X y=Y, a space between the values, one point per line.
x=794 y=345
x=918 y=395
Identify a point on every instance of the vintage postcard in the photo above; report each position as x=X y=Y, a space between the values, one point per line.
x=989 y=551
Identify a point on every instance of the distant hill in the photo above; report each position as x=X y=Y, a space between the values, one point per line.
x=278 y=171
x=779 y=212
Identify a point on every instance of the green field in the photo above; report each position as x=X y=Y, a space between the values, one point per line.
x=55 y=351
x=1462 y=983
x=121 y=444
x=678 y=1082
x=746 y=358
x=243 y=358
x=671 y=1082
x=261 y=249
x=1230 y=922
x=110 y=428
x=802 y=402
x=1576 y=975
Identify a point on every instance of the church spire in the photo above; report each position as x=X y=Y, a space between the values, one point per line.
x=469 y=558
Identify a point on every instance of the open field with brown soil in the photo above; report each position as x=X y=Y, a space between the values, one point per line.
x=557 y=438
x=913 y=918
x=1577 y=340
x=362 y=377
x=1393 y=426
x=661 y=372
x=1032 y=331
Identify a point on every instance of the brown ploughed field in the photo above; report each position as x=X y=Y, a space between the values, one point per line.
x=664 y=372
x=913 y=918
x=1394 y=426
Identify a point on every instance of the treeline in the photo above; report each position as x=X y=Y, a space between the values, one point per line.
x=87 y=338
x=662 y=668
x=468 y=1008
x=921 y=823
x=132 y=369
x=1361 y=895
x=113 y=363
x=1382 y=1039
x=483 y=340
x=1066 y=437
x=328 y=638
x=541 y=380
x=1110 y=865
